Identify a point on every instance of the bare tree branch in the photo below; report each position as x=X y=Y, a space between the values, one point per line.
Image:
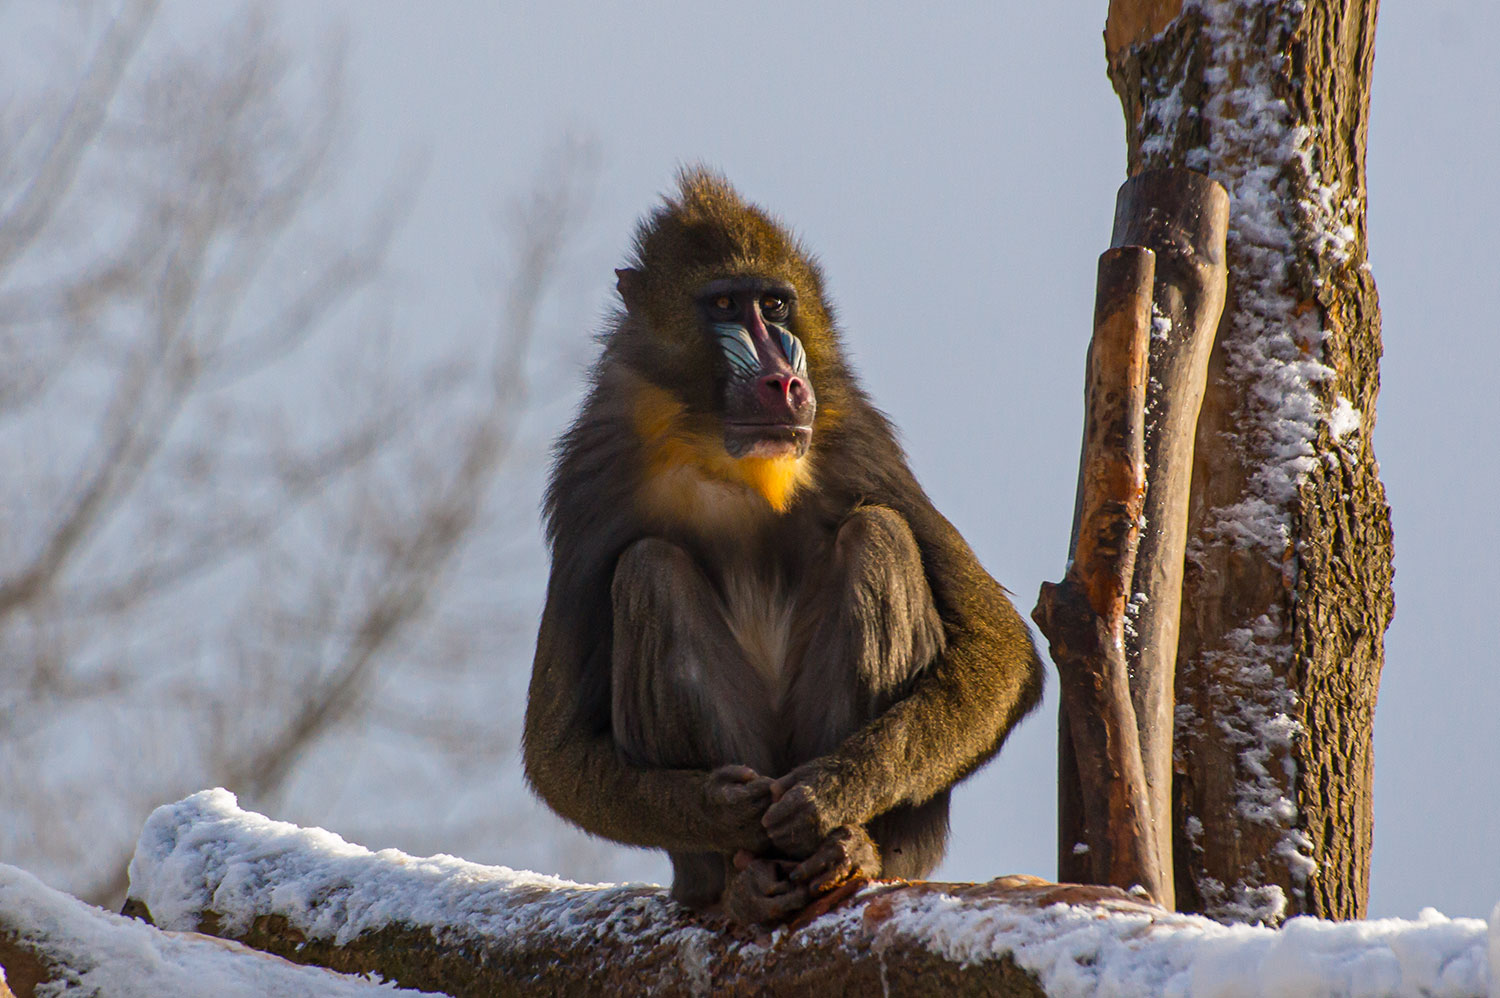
x=238 y=499
x=29 y=214
x=211 y=544
x=414 y=566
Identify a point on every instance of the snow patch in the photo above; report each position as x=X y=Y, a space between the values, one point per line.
x=1122 y=953
x=204 y=852
x=102 y=954
x=1344 y=420
x=1167 y=111
x=1161 y=323
x=1133 y=608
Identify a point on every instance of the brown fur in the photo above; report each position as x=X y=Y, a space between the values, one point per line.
x=813 y=619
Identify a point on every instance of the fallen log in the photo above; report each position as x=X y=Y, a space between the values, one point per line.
x=442 y=924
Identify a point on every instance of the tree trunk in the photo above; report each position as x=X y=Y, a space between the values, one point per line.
x=1287 y=592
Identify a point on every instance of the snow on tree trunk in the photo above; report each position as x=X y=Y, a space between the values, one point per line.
x=1287 y=593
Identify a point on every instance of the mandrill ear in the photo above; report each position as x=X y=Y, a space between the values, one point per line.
x=631 y=285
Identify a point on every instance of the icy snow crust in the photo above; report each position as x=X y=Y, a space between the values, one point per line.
x=204 y=853
x=1086 y=951
x=115 y=957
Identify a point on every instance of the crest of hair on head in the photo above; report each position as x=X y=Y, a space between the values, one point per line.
x=708 y=231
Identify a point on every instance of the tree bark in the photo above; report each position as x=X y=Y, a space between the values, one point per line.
x=1287 y=592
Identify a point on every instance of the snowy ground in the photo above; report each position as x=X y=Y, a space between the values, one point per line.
x=206 y=853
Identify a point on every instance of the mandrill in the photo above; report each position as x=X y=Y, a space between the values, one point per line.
x=763 y=650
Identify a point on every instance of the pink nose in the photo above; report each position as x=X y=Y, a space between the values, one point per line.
x=783 y=389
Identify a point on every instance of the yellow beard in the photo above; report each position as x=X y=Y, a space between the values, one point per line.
x=678 y=459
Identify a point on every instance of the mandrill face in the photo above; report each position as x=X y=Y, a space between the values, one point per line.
x=768 y=400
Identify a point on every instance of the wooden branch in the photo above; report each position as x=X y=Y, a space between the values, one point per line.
x=441 y=924
x=633 y=940
x=1083 y=617
x=1182 y=217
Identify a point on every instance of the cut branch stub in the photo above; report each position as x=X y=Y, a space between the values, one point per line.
x=1182 y=216
x=1113 y=469
x=1083 y=617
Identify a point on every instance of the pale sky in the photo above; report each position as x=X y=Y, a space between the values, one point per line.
x=954 y=166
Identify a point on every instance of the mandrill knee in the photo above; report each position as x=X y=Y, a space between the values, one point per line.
x=649 y=564
x=878 y=536
x=889 y=598
x=655 y=581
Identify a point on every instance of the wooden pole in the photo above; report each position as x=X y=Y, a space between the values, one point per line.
x=1182 y=216
x=1083 y=617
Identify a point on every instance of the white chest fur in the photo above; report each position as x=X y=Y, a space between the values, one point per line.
x=759 y=613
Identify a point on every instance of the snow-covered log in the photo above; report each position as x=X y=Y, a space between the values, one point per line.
x=443 y=924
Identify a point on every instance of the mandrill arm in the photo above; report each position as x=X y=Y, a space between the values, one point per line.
x=583 y=776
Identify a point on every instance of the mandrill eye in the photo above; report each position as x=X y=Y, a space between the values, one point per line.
x=724 y=303
x=774 y=308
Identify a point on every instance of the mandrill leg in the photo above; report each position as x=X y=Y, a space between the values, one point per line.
x=683 y=695
x=870 y=627
x=865 y=626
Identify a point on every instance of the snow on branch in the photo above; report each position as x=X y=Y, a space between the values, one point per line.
x=52 y=943
x=444 y=924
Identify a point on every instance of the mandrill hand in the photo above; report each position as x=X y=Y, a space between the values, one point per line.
x=737 y=797
x=760 y=893
x=798 y=821
x=765 y=891
x=846 y=853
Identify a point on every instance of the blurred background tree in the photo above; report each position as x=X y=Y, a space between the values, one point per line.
x=235 y=494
